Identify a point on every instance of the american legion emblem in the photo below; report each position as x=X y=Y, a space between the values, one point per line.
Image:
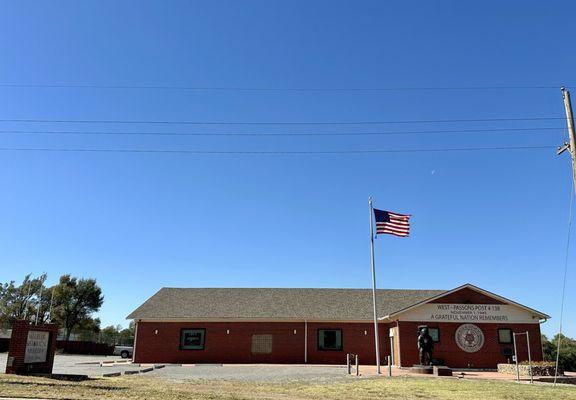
x=469 y=338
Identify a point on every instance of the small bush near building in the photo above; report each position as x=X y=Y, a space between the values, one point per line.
x=541 y=368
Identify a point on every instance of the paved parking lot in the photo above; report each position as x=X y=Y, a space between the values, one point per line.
x=255 y=372
x=79 y=364
x=90 y=365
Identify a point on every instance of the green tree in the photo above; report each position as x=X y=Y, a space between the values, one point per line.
x=75 y=300
x=116 y=335
x=109 y=335
x=126 y=336
x=88 y=329
x=567 y=360
x=45 y=303
x=21 y=301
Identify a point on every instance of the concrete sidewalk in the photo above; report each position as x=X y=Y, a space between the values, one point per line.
x=370 y=370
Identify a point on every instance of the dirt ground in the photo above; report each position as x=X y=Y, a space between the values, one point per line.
x=152 y=387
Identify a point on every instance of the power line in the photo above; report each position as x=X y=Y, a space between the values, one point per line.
x=212 y=152
x=80 y=121
x=425 y=132
x=278 y=89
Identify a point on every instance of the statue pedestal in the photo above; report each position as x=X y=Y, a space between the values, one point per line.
x=422 y=369
x=442 y=370
x=437 y=370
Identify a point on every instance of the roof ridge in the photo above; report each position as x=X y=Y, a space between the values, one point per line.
x=298 y=288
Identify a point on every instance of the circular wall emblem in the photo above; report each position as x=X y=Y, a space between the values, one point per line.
x=469 y=338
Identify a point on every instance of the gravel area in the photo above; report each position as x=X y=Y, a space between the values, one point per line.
x=80 y=364
x=255 y=372
x=90 y=365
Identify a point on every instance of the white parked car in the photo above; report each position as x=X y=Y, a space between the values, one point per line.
x=123 y=351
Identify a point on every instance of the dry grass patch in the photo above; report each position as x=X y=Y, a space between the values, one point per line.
x=155 y=388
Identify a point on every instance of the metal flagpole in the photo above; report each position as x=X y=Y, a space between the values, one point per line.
x=39 y=306
x=27 y=295
x=50 y=309
x=376 y=342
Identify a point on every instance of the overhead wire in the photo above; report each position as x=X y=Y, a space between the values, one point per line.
x=424 y=132
x=423 y=121
x=277 y=89
x=268 y=134
x=280 y=152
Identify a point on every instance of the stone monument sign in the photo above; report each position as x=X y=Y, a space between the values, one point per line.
x=32 y=348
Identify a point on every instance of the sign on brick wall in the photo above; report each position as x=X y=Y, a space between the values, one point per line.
x=37 y=347
x=32 y=348
x=471 y=313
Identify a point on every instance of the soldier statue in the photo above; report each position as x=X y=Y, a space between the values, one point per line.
x=425 y=345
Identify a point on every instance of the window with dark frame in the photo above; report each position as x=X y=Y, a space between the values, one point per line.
x=505 y=336
x=435 y=334
x=329 y=339
x=192 y=339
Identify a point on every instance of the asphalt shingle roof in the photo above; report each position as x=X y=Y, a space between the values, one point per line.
x=300 y=304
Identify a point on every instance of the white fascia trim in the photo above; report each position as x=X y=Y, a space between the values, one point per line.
x=390 y=317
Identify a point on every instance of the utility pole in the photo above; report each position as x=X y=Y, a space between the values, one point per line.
x=570 y=124
x=572 y=147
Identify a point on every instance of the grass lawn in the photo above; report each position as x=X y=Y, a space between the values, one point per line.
x=151 y=388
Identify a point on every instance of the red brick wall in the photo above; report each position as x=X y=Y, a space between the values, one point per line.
x=288 y=348
x=235 y=347
x=17 y=349
x=356 y=339
x=487 y=357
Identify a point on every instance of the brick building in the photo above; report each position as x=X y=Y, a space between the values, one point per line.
x=471 y=327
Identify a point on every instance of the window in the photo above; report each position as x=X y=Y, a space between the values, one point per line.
x=261 y=344
x=504 y=335
x=192 y=339
x=435 y=333
x=329 y=339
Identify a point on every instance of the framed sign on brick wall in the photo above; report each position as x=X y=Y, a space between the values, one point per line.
x=36 y=347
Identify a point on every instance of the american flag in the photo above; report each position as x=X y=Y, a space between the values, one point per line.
x=392 y=223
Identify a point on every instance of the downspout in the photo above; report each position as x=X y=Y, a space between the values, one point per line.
x=305 y=342
x=540 y=322
x=135 y=340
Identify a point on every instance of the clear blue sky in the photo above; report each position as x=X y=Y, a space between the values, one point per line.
x=137 y=222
